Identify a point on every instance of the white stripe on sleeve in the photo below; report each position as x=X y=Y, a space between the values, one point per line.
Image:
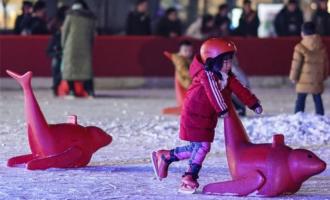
x=216 y=91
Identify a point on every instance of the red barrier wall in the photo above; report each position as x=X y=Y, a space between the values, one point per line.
x=116 y=56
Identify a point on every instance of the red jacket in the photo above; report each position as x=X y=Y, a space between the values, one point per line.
x=204 y=102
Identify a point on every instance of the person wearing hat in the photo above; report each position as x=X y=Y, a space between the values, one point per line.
x=289 y=20
x=309 y=68
x=203 y=104
x=321 y=18
x=77 y=41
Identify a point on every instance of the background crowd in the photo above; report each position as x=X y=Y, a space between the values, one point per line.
x=288 y=21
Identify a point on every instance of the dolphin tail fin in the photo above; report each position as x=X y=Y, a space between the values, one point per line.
x=24 y=80
x=241 y=186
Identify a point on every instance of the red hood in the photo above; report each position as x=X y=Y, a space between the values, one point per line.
x=196 y=66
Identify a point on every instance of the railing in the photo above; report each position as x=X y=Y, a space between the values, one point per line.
x=122 y=56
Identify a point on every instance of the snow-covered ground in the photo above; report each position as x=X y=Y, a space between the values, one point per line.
x=122 y=170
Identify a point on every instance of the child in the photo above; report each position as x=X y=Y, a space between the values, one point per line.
x=181 y=61
x=211 y=73
x=309 y=68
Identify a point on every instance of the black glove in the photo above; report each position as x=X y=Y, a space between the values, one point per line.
x=257 y=108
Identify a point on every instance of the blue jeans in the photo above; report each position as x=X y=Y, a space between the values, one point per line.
x=301 y=99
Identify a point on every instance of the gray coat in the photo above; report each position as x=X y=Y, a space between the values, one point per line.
x=77 y=40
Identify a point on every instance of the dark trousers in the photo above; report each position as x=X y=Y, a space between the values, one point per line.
x=301 y=99
x=56 y=73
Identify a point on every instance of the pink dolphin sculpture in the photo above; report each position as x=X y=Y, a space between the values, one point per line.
x=264 y=169
x=65 y=145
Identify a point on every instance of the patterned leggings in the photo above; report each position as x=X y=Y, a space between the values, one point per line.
x=196 y=152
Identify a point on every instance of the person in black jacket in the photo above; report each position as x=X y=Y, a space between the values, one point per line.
x=249 y=21
x=222 y=21
x=54 y=49
x=169 y=25
x=22 y=20
x=138 y=21
x=289 y=20
x=38 y=23
x=321 y=18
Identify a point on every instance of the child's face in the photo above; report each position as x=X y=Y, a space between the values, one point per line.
x=186 y=51
x=227 y=64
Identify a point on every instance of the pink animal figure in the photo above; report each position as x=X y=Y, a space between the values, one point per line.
x=266 y=169
x=65 y=145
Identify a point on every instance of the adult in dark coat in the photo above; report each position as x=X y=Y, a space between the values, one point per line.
x=54 y=49
x=222 y=21
x=38 y=23
x=170 y=24
x=289 y=20
x=22 y=20
x=138 y=21
x=321 y=18
x=249 y=21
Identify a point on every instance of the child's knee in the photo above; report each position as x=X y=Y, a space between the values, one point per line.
x=206 y=147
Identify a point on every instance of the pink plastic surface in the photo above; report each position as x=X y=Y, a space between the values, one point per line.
x=264 y=169
x=65 y=145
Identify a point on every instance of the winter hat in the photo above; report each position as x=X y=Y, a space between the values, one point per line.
x=308 y=28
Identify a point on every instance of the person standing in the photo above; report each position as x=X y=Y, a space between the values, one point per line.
x=309 y=69
x=249 y=21
x=222 y=21
x=169 y=25
x=54 y=49
x=202 y=28
x=138 y=21
x=22 y=20
x=321 y=18
x=77 y=41
x=289 y=20
x=38 y=22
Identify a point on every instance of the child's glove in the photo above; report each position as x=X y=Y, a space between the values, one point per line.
x=257 y=108
x=223 y=113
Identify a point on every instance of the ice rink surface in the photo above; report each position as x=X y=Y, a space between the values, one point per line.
x=122 y=170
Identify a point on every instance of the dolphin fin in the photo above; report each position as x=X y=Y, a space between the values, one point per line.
x=19 y=160
x=240 y=187
x=72 y=119
x=24 y=80
x=67 y=159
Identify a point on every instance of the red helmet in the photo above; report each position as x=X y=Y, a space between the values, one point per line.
x=214 y=47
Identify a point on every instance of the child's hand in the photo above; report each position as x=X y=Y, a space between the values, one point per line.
x=258 y=109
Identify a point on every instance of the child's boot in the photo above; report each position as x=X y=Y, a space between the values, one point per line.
x=161 y=160
x=189 y=183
